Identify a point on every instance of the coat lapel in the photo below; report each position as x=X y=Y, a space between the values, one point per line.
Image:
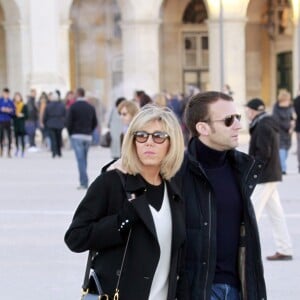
x=136 y=186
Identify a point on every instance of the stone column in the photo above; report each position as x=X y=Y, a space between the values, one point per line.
x=141 y=56
x=296 y=48
x=17 y=53
x=46 y=72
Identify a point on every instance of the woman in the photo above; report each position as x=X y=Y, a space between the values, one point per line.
x=19 y=123
x=283 y=112
x=127 y=110
x=152 y=153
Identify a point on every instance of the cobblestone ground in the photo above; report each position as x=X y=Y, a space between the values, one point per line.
x=38 y=196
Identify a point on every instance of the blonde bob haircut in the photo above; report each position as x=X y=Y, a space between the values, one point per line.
x=173 y=160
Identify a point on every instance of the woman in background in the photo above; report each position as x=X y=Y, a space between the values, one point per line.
x=19 y=123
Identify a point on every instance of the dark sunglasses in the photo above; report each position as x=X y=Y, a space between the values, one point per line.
x=229 y=120
x=158 y=137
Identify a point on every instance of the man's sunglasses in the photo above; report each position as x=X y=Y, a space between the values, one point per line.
x=158 y=137
x=228 y=120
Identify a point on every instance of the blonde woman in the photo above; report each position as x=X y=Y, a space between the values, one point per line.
x=152 y=152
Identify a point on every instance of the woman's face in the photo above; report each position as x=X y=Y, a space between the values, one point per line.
x=126 y=117
x=17 y=97
x=151 y=153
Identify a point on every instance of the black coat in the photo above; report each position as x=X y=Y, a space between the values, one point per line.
x=201 y=226
x=95 y=227
x=55 y=115
x=297 y=111
x=264 y=145
x=283 y=116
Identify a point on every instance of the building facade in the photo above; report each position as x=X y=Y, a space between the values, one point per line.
x=114 y=47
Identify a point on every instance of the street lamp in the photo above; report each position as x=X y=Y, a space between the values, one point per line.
x=221 y=45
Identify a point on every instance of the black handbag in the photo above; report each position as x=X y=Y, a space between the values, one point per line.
x=91 y=287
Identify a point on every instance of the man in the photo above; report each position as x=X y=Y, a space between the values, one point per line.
x=81 y=122
x=223 y=259
x=7 y=112
x=264 y=145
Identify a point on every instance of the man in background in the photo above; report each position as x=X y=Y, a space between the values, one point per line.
x=7 y=112
x=264 y=145
x=81 y=122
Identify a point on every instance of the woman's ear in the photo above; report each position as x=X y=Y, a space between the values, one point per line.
x=202 y=128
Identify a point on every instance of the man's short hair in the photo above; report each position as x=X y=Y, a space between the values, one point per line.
x=80 y=92
x=197 y=108
x=256 y=104
x=6 y=90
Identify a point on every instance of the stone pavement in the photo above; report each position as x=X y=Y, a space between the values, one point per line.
x=38 y=196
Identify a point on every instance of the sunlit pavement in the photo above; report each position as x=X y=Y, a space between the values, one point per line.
x=38 y=196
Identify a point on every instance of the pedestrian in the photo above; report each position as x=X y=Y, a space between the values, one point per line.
x=264 y=145
x=297 y=127
x=152 y=152
x=81 y=122
x=115 y=128
x=223 y=258
x=127 y=110
x=54 y=120
x=7 y=112
x=283 y=113
x=19 y=123
x=31 y=122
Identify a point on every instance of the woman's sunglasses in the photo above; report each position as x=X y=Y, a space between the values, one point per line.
x=229 y=120
x=158 y=137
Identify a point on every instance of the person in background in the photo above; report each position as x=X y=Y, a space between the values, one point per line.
x=152 y=219
x=81 y=122
x=127 y=110
x=7 y=112
x=42 y=103
x=31 y=122
x=69 y=99
x=115 y=126
x=54 y=120
x=297 y=127
x=283 y=113
x=223 y=258
x=19 y=123
x=264 y=145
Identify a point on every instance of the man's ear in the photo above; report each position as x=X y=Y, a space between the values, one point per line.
x=202 y=128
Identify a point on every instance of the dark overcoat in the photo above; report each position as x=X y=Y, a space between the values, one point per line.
x=264 y=146
x=95 y=227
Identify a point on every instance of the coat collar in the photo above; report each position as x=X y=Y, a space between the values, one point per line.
x=136 y=185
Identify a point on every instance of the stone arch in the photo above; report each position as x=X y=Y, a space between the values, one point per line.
x=181 y=31
x=268 y=39
x=11 y=10
x=96 y=48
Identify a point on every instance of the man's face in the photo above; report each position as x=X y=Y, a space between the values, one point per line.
x=250 y=113
x=5 y=95
x=216 y=134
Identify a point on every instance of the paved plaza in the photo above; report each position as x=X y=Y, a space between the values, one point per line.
x=38 y=196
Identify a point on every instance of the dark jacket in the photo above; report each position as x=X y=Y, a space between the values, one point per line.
x=55 y=115
x=81 y=118
x=264 y=146
x=297 y=111
x=95 y=226
x=283 y=116
x=201 y=226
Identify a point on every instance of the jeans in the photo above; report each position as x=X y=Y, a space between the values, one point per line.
x=30 y=130
x=283 y=154
x=221 y=291
x=5 y=127
x=81 y=148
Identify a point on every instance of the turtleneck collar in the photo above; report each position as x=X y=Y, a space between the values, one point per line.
x=208 y=157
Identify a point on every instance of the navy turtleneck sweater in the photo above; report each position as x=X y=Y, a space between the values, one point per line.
x=228 y=202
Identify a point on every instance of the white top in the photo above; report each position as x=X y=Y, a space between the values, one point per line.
x=163 y=225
